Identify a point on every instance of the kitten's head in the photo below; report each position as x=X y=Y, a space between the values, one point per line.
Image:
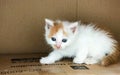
x=60 y=34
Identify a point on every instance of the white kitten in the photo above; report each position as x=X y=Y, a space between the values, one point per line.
x=85 y=43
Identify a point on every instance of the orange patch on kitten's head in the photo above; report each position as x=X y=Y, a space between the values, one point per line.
x=55 y=28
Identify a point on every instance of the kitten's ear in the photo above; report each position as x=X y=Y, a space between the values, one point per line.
x=74 y=26
x=48 y=23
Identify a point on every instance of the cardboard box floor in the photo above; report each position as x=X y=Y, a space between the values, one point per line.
x=28 y=64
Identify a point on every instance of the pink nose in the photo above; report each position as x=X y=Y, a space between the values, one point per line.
x=58 y=46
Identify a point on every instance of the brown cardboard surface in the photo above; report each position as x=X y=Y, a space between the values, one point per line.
x=102 y=12
x=28 y=64
x=22 y=22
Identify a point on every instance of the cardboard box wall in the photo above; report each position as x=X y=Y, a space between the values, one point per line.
x=22 y=21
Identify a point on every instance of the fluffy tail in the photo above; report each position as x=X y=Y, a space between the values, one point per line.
x=111 y=58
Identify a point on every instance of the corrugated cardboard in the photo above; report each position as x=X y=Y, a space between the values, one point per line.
x=28 y=64
x=102 y=12
x=22 y=23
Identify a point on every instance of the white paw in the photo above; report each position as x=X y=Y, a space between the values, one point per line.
x=77 y=61
x=90 y=61
x=46 y=60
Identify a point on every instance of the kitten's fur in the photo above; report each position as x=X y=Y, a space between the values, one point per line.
x=85 y=43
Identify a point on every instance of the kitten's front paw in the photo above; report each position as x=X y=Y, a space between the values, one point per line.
x=77 y=61
x=46 y=60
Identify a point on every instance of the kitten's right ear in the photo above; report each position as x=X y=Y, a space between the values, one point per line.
x=74 y=26
x=48 y=23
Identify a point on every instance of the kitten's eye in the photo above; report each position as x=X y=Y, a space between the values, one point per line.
x=64 y=40
x=53 y=39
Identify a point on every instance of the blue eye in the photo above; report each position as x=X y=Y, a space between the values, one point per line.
x=64 y=40
x=53 y=39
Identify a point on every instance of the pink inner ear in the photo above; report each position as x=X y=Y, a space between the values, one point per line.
x=73 y=29
x=48 y=26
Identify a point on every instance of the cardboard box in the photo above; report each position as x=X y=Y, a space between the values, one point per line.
x=22 y=34
x=28 y=64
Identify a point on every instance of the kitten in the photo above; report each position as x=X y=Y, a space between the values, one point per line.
x=85 y=43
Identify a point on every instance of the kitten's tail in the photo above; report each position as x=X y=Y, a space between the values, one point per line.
x=111 y=58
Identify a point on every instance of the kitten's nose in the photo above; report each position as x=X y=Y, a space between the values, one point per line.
x=58 y=45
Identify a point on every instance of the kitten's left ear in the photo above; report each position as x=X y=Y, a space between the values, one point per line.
x=74 y=26
x=48 y=23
